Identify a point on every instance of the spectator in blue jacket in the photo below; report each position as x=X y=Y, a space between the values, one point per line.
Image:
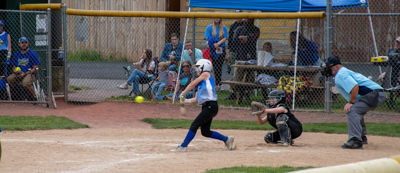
x=172 y=52
x=307 y=52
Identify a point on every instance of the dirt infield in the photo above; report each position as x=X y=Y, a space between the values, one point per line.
x=119 y=142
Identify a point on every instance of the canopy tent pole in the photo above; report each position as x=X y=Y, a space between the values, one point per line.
x=295 y=58
x=373 y=37
x=180 y=62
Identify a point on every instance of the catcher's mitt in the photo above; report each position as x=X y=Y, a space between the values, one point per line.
x=257 y=108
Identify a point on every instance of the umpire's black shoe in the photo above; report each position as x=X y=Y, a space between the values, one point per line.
x=364 y=139
x=353 y=143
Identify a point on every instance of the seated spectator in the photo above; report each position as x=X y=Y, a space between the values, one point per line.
x=190 y=55
x=172 y=52
x=307 y=52
x=184 y=80
x=25 y=62
x=266 y=59
x=144 y=70
x=162 y=81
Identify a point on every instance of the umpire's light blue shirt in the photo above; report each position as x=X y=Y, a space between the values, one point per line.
x=346 y=80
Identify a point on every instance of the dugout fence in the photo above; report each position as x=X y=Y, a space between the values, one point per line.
x=98 y=47
x=36 y=27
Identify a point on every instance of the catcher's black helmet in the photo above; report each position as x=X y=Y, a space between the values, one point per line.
x=279 y=95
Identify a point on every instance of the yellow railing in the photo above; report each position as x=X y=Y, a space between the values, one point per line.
x=170 y=14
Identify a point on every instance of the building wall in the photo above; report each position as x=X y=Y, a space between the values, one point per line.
x=117 y=37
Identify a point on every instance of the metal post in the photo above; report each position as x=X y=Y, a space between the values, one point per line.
x=49 y=79
x=328 y=42
x=180 y=62
x=194 y=35
x=65 y=38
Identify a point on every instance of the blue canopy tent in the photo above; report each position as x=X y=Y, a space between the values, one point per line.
x=277 y=5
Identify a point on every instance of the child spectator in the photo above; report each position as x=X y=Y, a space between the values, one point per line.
x=162 y=81
x=184 y=79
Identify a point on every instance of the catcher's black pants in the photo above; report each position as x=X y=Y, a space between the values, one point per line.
x=208 y=111
x=295 y=130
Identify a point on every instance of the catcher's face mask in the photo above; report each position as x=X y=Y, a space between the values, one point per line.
x=273 y=100
x=328 y=71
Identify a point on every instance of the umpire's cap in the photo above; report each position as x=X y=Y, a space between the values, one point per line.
x=2 y=22
x=333 y=61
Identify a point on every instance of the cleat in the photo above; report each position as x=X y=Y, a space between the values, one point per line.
x=180 y=149
x=229 y=143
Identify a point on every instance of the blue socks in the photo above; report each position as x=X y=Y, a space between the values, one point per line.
x=219 y=136
x=189 y=137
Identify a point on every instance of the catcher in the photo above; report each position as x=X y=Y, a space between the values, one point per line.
x=279 y=117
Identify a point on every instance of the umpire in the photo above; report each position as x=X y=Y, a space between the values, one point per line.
x=362 y=95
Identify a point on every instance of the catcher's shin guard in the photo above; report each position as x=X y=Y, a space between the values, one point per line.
x=283 y=129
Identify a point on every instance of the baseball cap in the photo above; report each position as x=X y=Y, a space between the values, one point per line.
x=333 y=61
x=398 y=39
x=23 y=39
x=2 y=22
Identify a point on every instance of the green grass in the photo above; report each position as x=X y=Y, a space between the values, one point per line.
x=38 y=123
x=381 y=129
x=76 y=88
x=93 y=56
x=242 y=169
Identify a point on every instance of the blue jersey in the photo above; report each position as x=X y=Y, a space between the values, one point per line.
x=25 y=61
x=206 y=91
x=3 y=41
x=346 y=80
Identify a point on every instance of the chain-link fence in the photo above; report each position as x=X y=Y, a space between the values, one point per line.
x=25 y=66
x=250 y=57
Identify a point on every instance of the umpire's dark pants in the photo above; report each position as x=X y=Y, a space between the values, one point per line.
x=208 y=111
x=355 y=117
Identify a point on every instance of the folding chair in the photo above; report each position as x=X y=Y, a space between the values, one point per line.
x=147 y=83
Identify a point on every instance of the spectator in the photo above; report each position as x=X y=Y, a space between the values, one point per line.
x=307 y=52
x=5 y=48
x=247 y=36
x=144 y=70
x=362 y=95
x=25 y=63
x=394 y=59
x=232 y=43
x=172 y=52
x=267 y=47
x=216 y=35
x=184 y=79
x=189 y=55
x=162 y=81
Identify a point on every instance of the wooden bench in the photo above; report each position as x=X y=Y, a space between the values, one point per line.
x=241 y=88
